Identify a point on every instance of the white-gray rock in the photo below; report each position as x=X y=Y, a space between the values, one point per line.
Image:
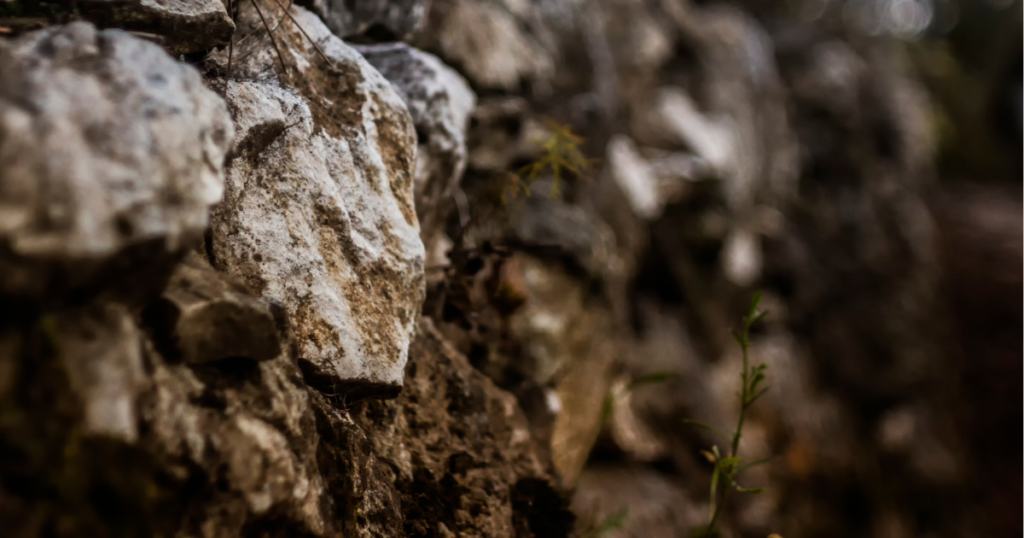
x=318 y=210
x=487 y=41
x=106 y=144
x=440 y=102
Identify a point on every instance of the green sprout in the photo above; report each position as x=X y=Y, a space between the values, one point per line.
x=728 y=467
x=561 y=154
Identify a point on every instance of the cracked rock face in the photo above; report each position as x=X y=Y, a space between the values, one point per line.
x=440 y=102
x=318 y=210
x=111 y=153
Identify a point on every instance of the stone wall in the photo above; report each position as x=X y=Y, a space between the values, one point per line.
x=266 y=270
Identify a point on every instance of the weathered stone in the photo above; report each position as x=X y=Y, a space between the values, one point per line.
x=440 y=102
x=385 y=20
x=240 y=432
x=213 y=318
x=185 y=25
x=110 y=155
x=318 y=210
x=464 y=460
x=182 y=26
x=101 y=351
x=486 y=42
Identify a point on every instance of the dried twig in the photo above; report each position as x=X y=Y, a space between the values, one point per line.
x=280 y=58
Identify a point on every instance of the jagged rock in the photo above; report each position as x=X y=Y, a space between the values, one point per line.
x=383 y=19
x=440 y=102
x=213 y=318
x=182 y=26
x=241 y=432
x=318 y=210
x=461 y=449
x=111 y=153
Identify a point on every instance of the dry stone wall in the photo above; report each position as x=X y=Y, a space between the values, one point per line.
x=266 y=270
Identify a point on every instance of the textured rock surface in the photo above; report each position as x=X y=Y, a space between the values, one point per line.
x=461 y=451
x=386 y=20
x=440 y=103
x=112 y=154
x=182 y=26
x=213 y=319
x=318 y=209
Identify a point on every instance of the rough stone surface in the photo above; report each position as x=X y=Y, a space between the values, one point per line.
x=386 y=20
x=318 y=210
x=111 y=153
x=182 y=26
x=461 y=451
x=440 y=102
x=213 y=318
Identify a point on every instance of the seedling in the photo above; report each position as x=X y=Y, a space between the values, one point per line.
x=561 y=154
x=729 y=466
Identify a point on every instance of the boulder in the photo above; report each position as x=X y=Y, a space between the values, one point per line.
x=318 y=210
x=111 y=154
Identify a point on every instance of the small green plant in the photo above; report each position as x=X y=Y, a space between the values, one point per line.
x=728 y=467
x=561 y=154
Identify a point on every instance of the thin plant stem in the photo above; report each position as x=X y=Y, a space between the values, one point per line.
x=299 y=26
x=231 y=44
x=744 y=401
x=280 y=58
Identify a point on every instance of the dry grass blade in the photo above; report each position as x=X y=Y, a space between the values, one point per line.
x=231 y=44
x=280 y=58
x=299 y=26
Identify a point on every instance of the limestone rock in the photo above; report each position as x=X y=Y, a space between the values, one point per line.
x=318 y=210
x=440 y=102
x=385 y=19
x=185 y=25
x=182 y=26
x=486 y=41
x=214 y=319
x=111 y=153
